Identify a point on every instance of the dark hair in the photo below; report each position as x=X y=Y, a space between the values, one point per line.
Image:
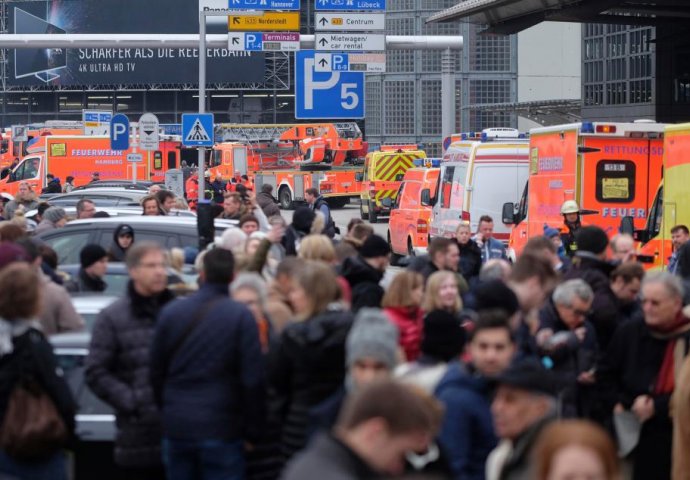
x=19 y=292
x=538 y=244
x=248 y=218
x=682 y=228
x=492 y=319
x=69 y=178
x=138 y=251
x=486 y=218
x=81 y=203
x=628 y=271
x=219 y=265
x=101 y=214
x=42 y=207
x=149 y=198
x=529 y=265
x=245 y=177
x=438 y=245
x=403 y=408
x=163 y=195
x=49 y=256
x=312 y=191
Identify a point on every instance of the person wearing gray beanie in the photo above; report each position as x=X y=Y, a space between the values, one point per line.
x=372 y=337
x=54 y=217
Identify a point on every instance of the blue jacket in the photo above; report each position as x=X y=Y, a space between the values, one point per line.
x=213 y=386
x=493 y=248
x=467 y=435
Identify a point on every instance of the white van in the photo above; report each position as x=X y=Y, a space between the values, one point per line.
x=477 y=177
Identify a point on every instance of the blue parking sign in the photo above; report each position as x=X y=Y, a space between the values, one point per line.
x=119 y=132
x=326 y=94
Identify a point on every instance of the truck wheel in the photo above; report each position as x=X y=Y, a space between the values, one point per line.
x=395 y=258
x=410 y=248
x=285 y=199
x=373 y=218
x=338 y=202
x=362 y=215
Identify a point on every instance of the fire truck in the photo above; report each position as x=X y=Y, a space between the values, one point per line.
x=292 y=158
x=11 y=149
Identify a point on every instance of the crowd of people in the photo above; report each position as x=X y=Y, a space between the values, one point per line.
x=303 y=357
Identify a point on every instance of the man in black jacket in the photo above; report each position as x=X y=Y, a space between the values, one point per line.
x=94 y=264
x=318 y=204
x=365 y=271
x=208 y=378
x=117 y=367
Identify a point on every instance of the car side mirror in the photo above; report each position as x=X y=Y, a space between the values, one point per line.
x=627 y=226
x=5 y=172
x=359 y=177
x=399 y=177
x=426 y=197
x=508 y=213
x=387 y=202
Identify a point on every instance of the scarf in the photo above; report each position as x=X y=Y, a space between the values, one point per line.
x=673 y=355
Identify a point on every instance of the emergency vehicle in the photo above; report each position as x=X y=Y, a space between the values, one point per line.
x=610 y=169
x=11 y=149
x=478 y=174
x=671 y=204
x=293 y=158
x=80 y=156
x=383 y=172
x=408 y=227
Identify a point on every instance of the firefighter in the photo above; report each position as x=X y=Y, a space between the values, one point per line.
x=571 y=219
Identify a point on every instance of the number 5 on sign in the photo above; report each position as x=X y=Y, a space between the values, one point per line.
x=321 y=95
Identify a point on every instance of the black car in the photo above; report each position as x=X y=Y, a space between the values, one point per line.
x=167 y=231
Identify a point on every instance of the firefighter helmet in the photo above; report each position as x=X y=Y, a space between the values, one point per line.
x=569 y=206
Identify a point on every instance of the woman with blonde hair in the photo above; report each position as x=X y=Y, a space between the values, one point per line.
x=442 y=293
x=318 y=248
x=402 y=305
x=575 y=449
x=309 y=362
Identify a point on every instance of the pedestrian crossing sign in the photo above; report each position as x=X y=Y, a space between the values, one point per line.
x=197 y=129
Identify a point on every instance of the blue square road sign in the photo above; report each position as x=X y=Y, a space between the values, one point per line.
x=197 y=129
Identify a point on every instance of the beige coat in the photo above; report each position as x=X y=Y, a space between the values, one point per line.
x=57 y=312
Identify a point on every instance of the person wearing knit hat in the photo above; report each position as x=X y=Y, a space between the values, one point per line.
x=592 y=239
x=371 y=354
x=54 y=217
x=365 y=271
x=11 y=252
x=554 y=235
x=94 y=265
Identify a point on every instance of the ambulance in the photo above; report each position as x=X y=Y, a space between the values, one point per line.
x=610 y=169
x=671 y=204
x=80 y=156
x=383 y=171
x=408 y=227
x=478 y=174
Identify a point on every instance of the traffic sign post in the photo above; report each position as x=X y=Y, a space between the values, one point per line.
x=119 y=132
x=96 y=122
x=264 y=4
x=326 y=95
x=20 y=133
x=350 y=21
x=135 y=157
x=264 y=22
x=356 y=42
x=197 y=129
x=148 y=132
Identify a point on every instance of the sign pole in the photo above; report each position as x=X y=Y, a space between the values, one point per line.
x=202 y=97
x=134 y=150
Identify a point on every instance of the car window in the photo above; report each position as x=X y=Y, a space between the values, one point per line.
x=68 y=244
x=71 y=360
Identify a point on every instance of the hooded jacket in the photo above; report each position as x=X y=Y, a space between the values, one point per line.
x=267 y=204
x=364 y=282
x=116 y=253
x=300 y=227
x=467 y=434
x=85 y=283
x=308 y=366
x=470 y=260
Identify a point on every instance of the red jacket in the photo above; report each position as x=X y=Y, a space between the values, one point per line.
x=410 y=323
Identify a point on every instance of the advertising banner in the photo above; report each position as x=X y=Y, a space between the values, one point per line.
x=121 y=66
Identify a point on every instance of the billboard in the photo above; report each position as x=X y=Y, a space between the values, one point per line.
x=122 y=66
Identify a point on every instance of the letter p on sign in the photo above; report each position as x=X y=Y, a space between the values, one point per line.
x=119 y=132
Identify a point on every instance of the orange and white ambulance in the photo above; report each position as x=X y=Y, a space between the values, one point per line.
x=610 y=169
x=671 y=204
x=80 y=156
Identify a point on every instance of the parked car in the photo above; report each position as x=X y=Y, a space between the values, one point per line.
x=102 y=196
x=117 y=277
x=89 y=305
x=118 y=211
x=169 y=232
x=127 y=184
